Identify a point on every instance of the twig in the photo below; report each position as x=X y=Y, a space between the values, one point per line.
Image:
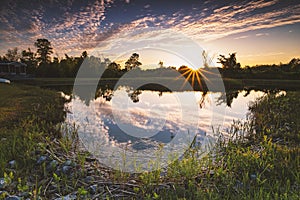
x=128 y=192
x=47 y=186
x=52 y=154
x=108 y=190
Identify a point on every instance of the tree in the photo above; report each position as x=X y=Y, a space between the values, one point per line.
x=161 y=64
x=183 y=68
x=114 y=66
x=132 y=62
x=44 y=50
x=229 y=62
x=294 y=64
x=12 y=54
x=28 y=57
x=84 y=54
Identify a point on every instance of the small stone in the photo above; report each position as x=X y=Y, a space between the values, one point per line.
x=25 y=195
x=13 y=198
x=93 y=189
x=52 y=165
x=88 y=179
x=238 y=185
x=2 y=183
x=68 y=197
x=132 y=181
x=90 y=159
x=253 y=176
x=41 y=159
x=12 y=164
x=68 y=163
x=66 y=169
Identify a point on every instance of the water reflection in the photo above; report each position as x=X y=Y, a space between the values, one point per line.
x=142 y=121
x=156 y=110
x=224 y=97
x=227 y=98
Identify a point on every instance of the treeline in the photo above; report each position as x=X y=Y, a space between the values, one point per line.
x=232 y=69
x=42 y=64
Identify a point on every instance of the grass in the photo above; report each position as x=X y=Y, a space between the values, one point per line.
x=237 y=171
x=263 y=163
x=17 y=102
x=278 y=116
x=230 y=83
x=27 y=114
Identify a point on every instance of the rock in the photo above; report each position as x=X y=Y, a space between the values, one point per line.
x=25 y=195
x=52 y=165
x=253 y=176
x=2 y=183
x=66 y=169
x=41 y=159
x=90 y=159
x=67 y=197
x=132 y=181
x=12 y=164
x=238 y=186
x=93 y=189
x=13 y=198
x=68 y=163
x=88 y=179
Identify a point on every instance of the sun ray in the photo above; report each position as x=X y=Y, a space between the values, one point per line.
x=193 y=78
x=187 y=79
x=192 y=75
x=198 y=79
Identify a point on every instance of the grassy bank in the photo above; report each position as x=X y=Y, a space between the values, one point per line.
x=230 y=83
x=27 y=114
x=264 y=165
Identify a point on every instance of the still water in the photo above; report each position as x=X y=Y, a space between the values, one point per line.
x=135 y=125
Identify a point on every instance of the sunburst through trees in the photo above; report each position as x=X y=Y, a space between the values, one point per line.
x=196 y=77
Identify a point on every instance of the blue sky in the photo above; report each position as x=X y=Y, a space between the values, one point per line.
x=263 y=31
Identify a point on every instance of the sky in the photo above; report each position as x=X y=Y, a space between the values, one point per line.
x=260 y=32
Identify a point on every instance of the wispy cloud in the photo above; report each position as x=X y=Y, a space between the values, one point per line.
x=262 y=34
x=235 y=19
x=241 y=37
x=73 y=28
x=66 y=32
x=262 y=54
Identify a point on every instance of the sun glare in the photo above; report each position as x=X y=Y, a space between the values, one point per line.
x=194 y=76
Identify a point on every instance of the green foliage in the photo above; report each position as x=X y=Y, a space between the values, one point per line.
x=82 y=191
x=8 y=178
x=27 y=115
x=277 y=116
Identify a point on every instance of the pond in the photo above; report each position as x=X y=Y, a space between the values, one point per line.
x=129 y=129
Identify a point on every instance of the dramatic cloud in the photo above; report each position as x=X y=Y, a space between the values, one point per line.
x=76 y=25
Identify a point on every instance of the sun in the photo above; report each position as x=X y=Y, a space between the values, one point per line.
x=193 y=75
